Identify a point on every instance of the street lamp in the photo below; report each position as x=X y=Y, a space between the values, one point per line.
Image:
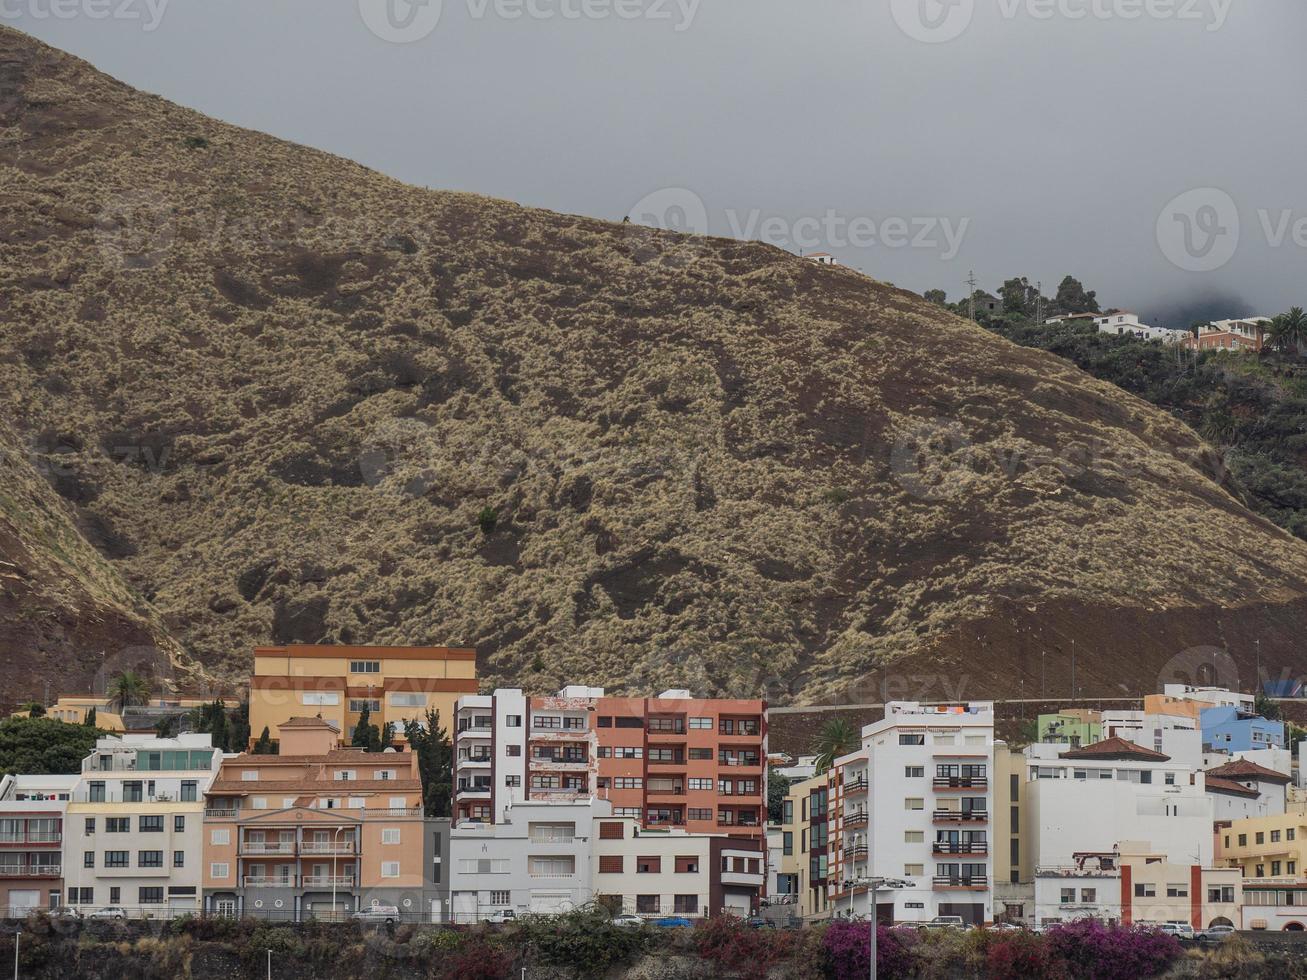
x=269 y=964
x=873 y=884
x=18 y=932
x=333 y=871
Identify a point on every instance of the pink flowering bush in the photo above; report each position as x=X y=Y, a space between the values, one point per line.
x=1093 y=951
x=848 y=951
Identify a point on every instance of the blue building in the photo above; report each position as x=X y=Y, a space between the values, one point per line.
x=1228 y=728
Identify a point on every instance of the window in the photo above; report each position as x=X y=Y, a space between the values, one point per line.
x=701 y=724
x=483 y=866
x=648 y=865
x=408 y=700
x=390 y=869
x=115 y=895
x=90 y=826
x=501 y=898
x=914 y=772
x=1177 y=891
x=914 y=803
x=179 y=824
x=1275 y=869
x=249 y=775
x=1289 y=834
x=258 y=803
x=151 y=823
x=627 y=782
x=88 y=859
x=1068 y=896
x=1089 y=895
x=610 y=864
x=512 y=721
x=1291 y=867
x=81 y=896
x=646 y=904
x=1145 y=890
x=365 y=666
x=699 y=813
x=610 y=831
x=513 y=751
x=605 y=721
x=553 y=866
x=913 y=738
x=1275 y=837
x=390 y=835
x=95 y=792
x=687 y=865
x=1261 y=837
x=685 y=904
x=787 y=842
x=117 y=825
x=320 y=697
x=150 y=896
x=117 y=859
x=1243 y=840
x=343 y=775
x=218 y=871
x=514 y=780
x=1261 y=871
x=179 y=859
x=150 y=859
x=383 y=774
x=698 y=784
x=914 y=869
x=914 y=837
x=220 y=837
x=699 y=755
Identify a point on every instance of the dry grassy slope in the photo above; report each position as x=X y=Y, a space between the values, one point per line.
x=287 y=385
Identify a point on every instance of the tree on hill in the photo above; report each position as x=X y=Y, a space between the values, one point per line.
x=1288 y=331
x=936 y=296
x=1072 y=298
x=128 y=689
x=366 y=735
x=44 y=746
x=435 y=762
x=89 y=720
x=1018 y=296
x=778 y=787
x=836 y=738
x=34 y=709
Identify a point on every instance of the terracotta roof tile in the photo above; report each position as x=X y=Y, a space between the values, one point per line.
x=1114 y=748
x=1219 y=785
x=1243 y=769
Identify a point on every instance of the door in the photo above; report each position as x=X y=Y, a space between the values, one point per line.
x=22 y=902
x=465 y=906
x=551 y=903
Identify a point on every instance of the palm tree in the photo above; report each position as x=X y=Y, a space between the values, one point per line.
x=836 y=738
x=127 y=689
x=1289 y=330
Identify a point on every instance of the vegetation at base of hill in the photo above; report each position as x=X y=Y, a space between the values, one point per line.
x=1252 y=407
x=229 y=728
x=430 y=740
x=41 y=746
x=778 y=787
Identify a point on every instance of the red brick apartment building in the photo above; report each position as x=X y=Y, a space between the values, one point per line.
x=672 y=761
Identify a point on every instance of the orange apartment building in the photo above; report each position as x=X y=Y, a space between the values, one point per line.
x=671 y=762
x=315 y=831
x=337 y=682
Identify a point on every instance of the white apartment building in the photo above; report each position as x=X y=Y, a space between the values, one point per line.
x=655 y=873
x=32 y=818
x=535 y=858
x=1176 y=736
x=489 y=756
x=1213 y=697
x=913 y=807
x=1089 y=799
x=1123 y=323
x=134 y=827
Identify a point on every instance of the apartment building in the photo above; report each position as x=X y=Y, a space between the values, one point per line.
x=133 y=829
x=1245 y=334
x=395 y=684
x=74 y=709
x=317 y=830
x=1170 y=727
x=805 y=834
x=654 y=873
x=1072 y=726
x=1242 y=789
x=1124 y=323
x=537 y=858
x=669 y=761
x=1266 y=847
x=1014 y=871
x=32 y=817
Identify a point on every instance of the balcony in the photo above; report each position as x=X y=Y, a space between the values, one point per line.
x=385 y=812
x=220 y=813
x=960 y=881
x=262 y=847
x=30 y=870
x=345 y=847
x=475 y=760
x=328 y=881
x=739 y=762
x=960 y=782
x=858 y=853
x=474 y=731
x=675 y=761
x=961 y=816
x=858 y=785
x=667 y=791
x=473 y=790
x=855 y=821
x=269 y=881
x=960 y=847
x=38 y=837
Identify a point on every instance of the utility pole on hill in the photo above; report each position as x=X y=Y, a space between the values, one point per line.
x=971 y=294
x=1039 y=303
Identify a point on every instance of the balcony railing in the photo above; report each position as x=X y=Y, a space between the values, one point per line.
x=961 y=847
x=328 y=848
x=385 y=812
x=30 y=870
x=221 y=812
x=855 y=821
x=858 y=853
x=326 y=881
x=960 y=782
x=39 y=837
x=742 y=762
x=961 y=816
x=474 y=790
x=856 y=786
x=270 y=881
x=263 y=847
x=961 y=881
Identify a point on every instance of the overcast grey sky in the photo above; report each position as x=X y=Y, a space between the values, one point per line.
x=916 y=139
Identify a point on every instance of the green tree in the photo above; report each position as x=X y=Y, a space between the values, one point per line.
x=488 y=519
x=435 y=762
x=36 y=746
x=837 y=737
x=1018 y=296
x=167 y=727
x=264 y=744
x=238 y=728
x=89 y=720
x=366 y=735
x=1072 y=298
x=1288 y=331
x=936 y=296
x=778 y=787
x=1266 y=707
x=128 y=689
x=34 y=709
x=387 y=735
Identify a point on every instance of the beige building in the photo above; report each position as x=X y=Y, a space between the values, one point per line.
x=805 y=857
x=337 y=682
x=1265 y=847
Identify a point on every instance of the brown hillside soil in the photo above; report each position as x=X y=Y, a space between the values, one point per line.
x=282 y=388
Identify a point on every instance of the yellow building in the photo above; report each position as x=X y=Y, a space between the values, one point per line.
x=805 y=820
x=1014 y=869
x=1264 y=847
x=74 y=709
x=337 y=682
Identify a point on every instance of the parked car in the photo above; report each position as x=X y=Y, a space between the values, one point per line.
x=945 y=922
x=500 y=916
x=109 y=912
x=1180 y=930
x=674 y=922
x=627 y=919
x=1217 y=934
x=1007 y=927
x=758 y=922
x=387 y=914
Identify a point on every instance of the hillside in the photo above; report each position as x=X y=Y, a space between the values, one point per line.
x=294 y=400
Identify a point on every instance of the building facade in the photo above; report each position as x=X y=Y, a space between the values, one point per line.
x=33 y=814
x=672 y=761
x=315 y=831
x=394 y=684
